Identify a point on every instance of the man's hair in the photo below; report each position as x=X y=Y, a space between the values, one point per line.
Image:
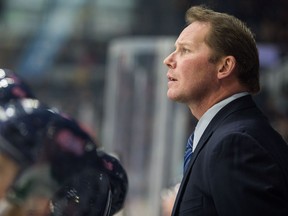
x=230 y=36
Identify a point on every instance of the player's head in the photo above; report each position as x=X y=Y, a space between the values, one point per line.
x=65 y=151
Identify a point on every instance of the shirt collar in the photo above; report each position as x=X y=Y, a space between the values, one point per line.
x=209 y=115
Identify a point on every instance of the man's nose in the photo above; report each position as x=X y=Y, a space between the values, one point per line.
x=169 y=61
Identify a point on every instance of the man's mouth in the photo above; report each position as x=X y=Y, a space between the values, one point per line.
x=171 y=78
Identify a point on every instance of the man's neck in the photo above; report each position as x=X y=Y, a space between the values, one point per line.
x=198 y=110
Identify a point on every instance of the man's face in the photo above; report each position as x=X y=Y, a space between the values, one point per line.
x=8 y=171
x=192 y=78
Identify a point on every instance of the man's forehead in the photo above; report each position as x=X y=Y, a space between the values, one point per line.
x=196 y=31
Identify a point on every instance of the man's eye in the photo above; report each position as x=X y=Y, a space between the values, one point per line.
x=184 y=50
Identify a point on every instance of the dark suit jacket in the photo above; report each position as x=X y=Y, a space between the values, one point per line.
x=239 y=167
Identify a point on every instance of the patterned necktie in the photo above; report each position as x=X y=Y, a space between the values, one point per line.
x=188 y=151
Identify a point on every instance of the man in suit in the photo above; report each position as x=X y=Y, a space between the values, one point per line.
x=238 y=164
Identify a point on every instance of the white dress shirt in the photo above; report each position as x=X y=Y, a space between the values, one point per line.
x=209 y=114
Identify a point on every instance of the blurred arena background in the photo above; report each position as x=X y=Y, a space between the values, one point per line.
x=101 y=62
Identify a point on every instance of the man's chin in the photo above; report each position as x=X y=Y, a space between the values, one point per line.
x=174 y=97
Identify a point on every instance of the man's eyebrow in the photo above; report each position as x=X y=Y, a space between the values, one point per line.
x=180 y=43
x=183 y=43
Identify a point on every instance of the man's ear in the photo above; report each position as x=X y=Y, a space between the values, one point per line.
x=226 y=67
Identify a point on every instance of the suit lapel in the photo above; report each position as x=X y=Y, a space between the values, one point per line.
x=200 y=145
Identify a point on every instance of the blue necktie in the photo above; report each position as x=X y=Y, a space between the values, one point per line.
x=188 y=151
